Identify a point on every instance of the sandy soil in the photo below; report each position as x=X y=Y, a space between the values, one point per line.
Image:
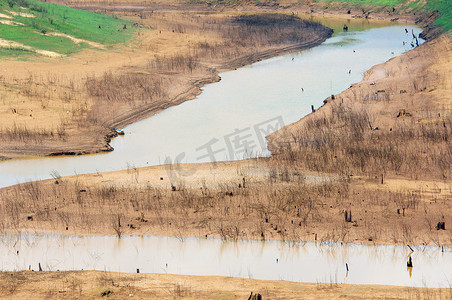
x=402 y=208
x=278 y=202
x=97 y=285
x=5 y=16
x=77 y=41
x=24 y=15
x=11 y=23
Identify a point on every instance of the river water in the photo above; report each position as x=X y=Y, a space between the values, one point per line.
x=269 y=260
x=231 y=118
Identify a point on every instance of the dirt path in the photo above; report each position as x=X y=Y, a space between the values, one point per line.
x=78 y=41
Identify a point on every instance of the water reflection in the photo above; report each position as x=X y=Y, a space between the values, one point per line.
x=271 y=260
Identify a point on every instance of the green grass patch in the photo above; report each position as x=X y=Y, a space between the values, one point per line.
x=13 y=53
x=29 y=37
x=445 y=12
x=51 y=17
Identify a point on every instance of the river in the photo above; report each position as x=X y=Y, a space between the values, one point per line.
x=229 y=121
x=269 y=260
x=231 y=118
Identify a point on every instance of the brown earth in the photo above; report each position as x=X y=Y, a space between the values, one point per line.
x=396 y=199
x=71 y=105
x=100 y=285
x=277 y=202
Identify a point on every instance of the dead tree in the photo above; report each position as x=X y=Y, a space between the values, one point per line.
x=348 y=216
x=441 y=226
x=409 y=263
x=256 y=296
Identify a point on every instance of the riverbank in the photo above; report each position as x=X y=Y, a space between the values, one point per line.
x=395 y=122
x=209 y=200
x=312 y=188
x=75 y=117
x=71 y=105
x=373 y=199
x=97 y=284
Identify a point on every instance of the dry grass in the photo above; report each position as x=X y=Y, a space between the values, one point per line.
x=346 y=141
x=394 y=181
x=219 y=39
x=99 y=285
x=341 y=138
x=279 y=203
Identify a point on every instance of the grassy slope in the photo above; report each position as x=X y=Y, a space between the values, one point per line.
x=445 y=9
x=443 y=6
x=56 y=18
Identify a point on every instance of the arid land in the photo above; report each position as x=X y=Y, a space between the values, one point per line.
x=71 y=105
x=379 y=151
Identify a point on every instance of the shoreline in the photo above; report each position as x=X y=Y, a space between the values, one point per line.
x=268 y=227
x=187 y=92
x=195 y=89
x=61 y=233
x=90 y=205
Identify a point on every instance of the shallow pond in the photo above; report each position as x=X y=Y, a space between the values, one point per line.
x=231 y=118
x=272 y=260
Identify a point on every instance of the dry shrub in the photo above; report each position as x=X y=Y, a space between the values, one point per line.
x=346 y=142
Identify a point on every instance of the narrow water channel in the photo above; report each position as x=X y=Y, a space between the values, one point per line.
x=231 y=118
x=269 y=260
